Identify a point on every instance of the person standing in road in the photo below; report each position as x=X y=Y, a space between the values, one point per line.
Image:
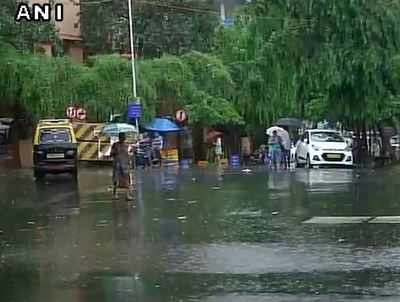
x=157 y=145
x=144 y=151
x=262 y=154
x=218 y=150
x=139 y=152
x=246 y=151
x=121 y=166
x=275 y=149
x=286 y=147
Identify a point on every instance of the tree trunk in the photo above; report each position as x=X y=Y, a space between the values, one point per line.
x=357 y=145
x=364 y=144
x=386 y=134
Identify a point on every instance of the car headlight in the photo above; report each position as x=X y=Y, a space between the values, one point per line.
x=348 y=148
x=315 y=148
x=70 y=153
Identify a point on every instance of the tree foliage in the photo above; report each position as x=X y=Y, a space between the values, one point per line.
x=161 y=27
x=24 y=35
x=46 y=86
x=314 y=58
x=319 y=59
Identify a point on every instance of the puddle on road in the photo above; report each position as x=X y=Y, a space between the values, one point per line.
x=294 y=298
x=337 y=220
x=248 y=213
x=251 y=258
x=240 y=239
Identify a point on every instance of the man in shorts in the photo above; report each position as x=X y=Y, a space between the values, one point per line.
x=121 y=166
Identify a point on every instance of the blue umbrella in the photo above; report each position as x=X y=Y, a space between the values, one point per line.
x=115 y=129
x=162 y=125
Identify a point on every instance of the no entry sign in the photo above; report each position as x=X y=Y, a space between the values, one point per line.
x=181 y=116
x=76 y=113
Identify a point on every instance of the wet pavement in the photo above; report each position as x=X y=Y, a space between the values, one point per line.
x=192 y=235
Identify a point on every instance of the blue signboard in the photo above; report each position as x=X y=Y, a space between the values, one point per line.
x=134 y=110
x=228 y=22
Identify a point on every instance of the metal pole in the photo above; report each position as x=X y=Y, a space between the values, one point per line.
x=133 y=58
x=132 y=49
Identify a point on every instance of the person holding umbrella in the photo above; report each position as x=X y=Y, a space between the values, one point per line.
x=121 y=166
x=282 y=138
x=218 y=150
x=275 y=149
x=286 y=147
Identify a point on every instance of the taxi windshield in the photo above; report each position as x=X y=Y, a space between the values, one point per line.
x=51 y=136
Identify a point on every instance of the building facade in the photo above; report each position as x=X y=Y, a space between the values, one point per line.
x=68 y=29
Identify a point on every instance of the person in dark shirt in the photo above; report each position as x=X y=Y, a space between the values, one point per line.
x=144 y=151
x=156 y=146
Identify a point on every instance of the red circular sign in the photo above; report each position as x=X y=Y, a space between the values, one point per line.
x=76 y=113
x=71 y=112
x=81 y=114
x=181 y=116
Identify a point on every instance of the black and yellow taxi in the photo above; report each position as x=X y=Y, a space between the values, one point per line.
x=55 y=149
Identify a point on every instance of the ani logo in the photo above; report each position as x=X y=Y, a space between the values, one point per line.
x=39 y=12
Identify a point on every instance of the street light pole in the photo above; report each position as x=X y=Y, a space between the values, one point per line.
x=133 y=59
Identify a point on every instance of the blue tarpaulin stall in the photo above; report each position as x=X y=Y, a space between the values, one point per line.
x=170 y=132
x=162 y=125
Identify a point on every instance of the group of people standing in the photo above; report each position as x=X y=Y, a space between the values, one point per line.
x=148 y=150
x=277 y=154
x=279 y=151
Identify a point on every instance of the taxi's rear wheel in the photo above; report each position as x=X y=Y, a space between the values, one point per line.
x=74 y=174
x=38 y=174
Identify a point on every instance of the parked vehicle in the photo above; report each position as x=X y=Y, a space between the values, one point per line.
x=323 y=148
x=55 y=148
x=395 y=141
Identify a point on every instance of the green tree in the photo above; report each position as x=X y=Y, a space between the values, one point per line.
x=313 y=58
x=161 y=27
x=23 y=36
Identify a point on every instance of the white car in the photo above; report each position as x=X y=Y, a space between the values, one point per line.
x=395 y=141
x=323 y=148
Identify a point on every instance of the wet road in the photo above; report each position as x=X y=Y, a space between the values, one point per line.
x=191 y=235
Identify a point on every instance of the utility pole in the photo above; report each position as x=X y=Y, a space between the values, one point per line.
x=222 y=12
x=133 y=58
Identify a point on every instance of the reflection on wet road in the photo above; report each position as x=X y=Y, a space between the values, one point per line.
x=192 y=235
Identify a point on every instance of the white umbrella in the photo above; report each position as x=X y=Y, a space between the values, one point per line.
x=114 y=129
x=282 y=133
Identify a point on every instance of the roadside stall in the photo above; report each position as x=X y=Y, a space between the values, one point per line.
x=169 y=132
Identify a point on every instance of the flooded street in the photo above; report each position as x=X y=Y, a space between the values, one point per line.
x=192 y=235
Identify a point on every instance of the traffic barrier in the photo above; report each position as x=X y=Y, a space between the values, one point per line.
x=202 y=163
x=89 y=132
x=89 y=151
x=89 y=140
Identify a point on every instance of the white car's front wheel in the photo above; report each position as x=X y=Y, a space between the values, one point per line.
x=308 y=162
